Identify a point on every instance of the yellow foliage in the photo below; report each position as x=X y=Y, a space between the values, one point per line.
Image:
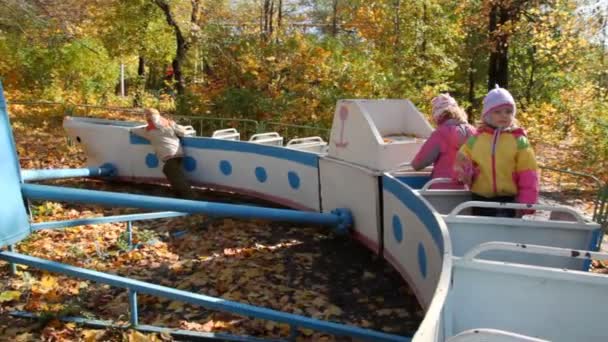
x=8 y=296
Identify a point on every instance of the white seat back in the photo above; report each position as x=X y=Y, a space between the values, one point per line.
x=227 y=134
x=310 y=144
x=269 y=138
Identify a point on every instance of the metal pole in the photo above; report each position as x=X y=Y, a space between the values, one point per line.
x=36 y=175
x=130 y=231
x=122 y=79
x=105 y=219
x=13 y=266
x=340 y=218
x=133 y=307
x=293 y=332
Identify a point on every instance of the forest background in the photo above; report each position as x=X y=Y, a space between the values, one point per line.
x=290 y=60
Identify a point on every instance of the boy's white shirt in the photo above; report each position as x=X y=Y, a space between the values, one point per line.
x=164 y=139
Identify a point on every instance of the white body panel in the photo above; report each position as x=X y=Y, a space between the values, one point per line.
x=413 y=239
x=545 y=303
x=356 y=188
x=285 y=176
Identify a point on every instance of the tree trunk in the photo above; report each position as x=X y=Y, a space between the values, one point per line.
x=531 y=80
x=425 y=19
x=397 y=25
x=140 y=87
x=141 y=67
x=270 y=16
x=280 y=17
x=334 y=19
x=603 y=75
x=267 y=16
x=498 y=70
x=182 y=44
x=471 y=92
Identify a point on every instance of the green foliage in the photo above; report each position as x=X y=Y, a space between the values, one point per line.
x=79 y=67
x=235 y=67
x=141 y=236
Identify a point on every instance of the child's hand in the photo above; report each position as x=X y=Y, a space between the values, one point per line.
x=466 y=170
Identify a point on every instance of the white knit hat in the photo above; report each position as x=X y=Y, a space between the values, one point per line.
x=495 y=99
x=441 y=103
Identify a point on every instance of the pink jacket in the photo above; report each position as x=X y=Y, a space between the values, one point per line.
x=441 y=148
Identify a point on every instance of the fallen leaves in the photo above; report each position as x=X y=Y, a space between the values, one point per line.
x=9 y=296
x=269 y=265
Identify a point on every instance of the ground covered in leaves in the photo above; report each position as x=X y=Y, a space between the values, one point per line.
x=296 y=269
x=291 y=268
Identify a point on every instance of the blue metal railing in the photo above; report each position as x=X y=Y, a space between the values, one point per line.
x=136 y=286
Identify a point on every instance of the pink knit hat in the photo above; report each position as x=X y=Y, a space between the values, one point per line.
x=441 y=103
x=497 y=98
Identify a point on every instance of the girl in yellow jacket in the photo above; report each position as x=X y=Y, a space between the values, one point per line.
x=498 y=162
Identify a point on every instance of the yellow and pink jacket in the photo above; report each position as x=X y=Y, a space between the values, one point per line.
x=499 y=163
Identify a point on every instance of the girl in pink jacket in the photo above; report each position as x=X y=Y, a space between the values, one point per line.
x=441 y=147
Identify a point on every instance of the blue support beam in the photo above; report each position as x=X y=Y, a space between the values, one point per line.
x=340 y=218
x=202 y=300
x=37 y=175
x=178 y=333
x=134 y=313
x=106 y=219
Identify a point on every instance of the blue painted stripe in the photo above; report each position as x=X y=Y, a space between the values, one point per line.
x=135 y=139
x=594 y=245
x=596 y=237
x=405 y=194
x=108 y=219
x=300 y=157
x=202 y=300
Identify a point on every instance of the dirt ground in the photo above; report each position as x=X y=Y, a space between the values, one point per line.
x=292 y=268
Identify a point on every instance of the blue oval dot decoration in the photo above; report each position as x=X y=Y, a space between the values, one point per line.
x=189 y=164
x=151 y=160
x=226 y=167
x=397 y=228
x=294 y=179
x=422 y=259
x=260 y=174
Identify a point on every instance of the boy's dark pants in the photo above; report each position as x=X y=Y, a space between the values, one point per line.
x=175 y=174
x=496 y=212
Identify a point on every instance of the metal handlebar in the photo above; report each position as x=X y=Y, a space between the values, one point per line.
x=307 y=140
x=499 y=205
x=534 y=249
x=427 y=185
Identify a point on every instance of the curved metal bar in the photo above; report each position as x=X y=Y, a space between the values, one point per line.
x=534 y=249
x=499 y=205
x=428 y=184
x=46 y=192
x=105 y=219
x=480 y=335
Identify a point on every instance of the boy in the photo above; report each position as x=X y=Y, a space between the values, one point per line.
x=164 y=136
